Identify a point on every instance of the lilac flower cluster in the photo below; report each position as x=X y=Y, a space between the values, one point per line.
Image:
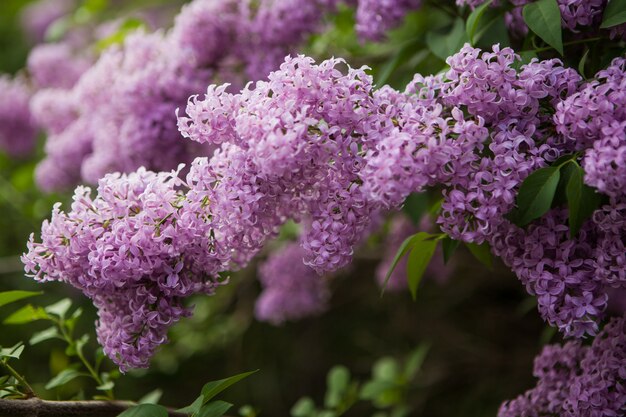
x=289 y=149
x=400 y=228
x=575 y=15
x=124 y=104
x=478 y=132
x=136 y=249
x=375 y=17
x=37 y=17
x=18 y=132
x=576 y=380
x=291 y=290
x=56 y=65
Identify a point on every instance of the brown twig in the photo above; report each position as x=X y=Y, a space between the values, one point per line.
x=36 y=407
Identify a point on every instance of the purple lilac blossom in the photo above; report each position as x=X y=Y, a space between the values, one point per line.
x=294 y=138
x=18 y=131
x=375 y=17
x=37 y=17
x=136 y=249
x=576 y=380
x=291 y=290
x=125 y=103
x=55 y=65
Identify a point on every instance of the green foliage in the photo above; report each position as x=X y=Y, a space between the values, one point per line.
x=544 y=18
x=449 y=42
x=145 y=410
x=419 y=258
x=130 y=25
x=614 y=14
x=449 y=246
x=582 y=200
x=535 y=195
x=8 y=297
x=203 y=407
x=474 y=19
x=388 y=388
x=482 y=253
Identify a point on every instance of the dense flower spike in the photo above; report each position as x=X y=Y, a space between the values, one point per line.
x=136 y=249
x=291 y=290
x=375 y=17
x=293 y=138
x=55 y=65
x=576 y=380
x=17 y=127
x=39 y=15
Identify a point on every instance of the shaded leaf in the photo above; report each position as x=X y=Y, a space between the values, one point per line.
x=415 y=206
x=535 y=195
x=49 y=333
x=544 y=18
x=415 y=361
x=337 y=382
x=474 y=18
x=583 y=62
x=614 y=14
x=419 y=258
x=145 y=410
x=152 y=397
x=64 y=377
x=194 y=407
x=582 y=200
x=445 y=45
x=304 y=407
x=482 y=253
x=7 y=297
x=449 y=246
x=214 y=409
x=407 y=245
x=211 y=389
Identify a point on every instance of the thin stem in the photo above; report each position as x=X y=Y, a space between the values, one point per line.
x=68 y=338
x=20 y=379
x=576 y=42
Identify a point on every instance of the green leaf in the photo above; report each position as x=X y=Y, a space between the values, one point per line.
x=474 y=19
x=415 y=206
x=211 y=389
x=566 y=170
x=482 y=253
x=535 y=195
x=76 y=347
x=415 y=361
x=145 y=410
x=304 y=407
x=402 y=55
x=449 y=246
x=26 y=314
x=419 y=258
x=374 y=388
x=64 y=377
x=544 y=18
x=445 y=45
x=337 y=382
x=407 y=245
x=192 y=408
x=583 y=62
x=214 y=409
x=614 y=14
x=581 y=200
x=109 y=385
x=130 y=25
x=12 y=296
x=152 y=397
x=12 y=352
x=386 y=368
x=49 y=333
x=60 y=308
